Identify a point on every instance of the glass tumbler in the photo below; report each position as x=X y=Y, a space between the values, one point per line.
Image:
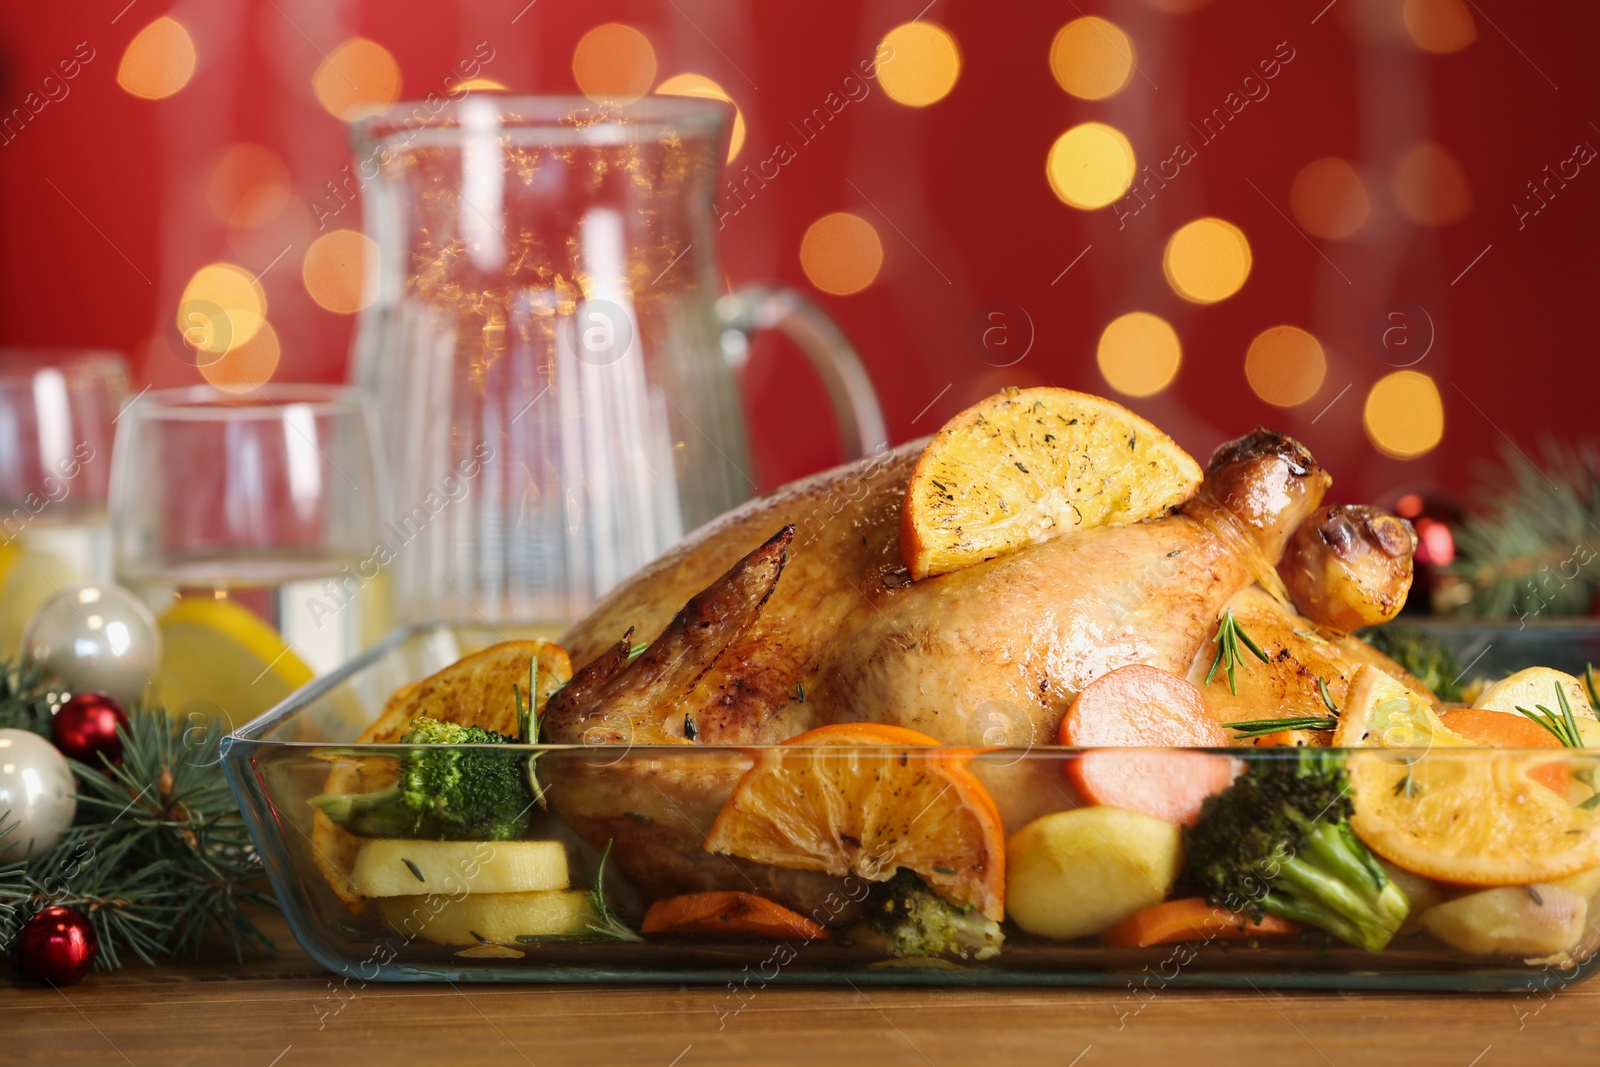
x=58 y=407
x=250 y=525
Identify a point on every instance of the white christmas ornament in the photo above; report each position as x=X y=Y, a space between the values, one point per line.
x=95 y=638
x=36 y=794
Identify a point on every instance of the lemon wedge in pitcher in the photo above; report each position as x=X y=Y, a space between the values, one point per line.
x=28 y=579
x=221 y=657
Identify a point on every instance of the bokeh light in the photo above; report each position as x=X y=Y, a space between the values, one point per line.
x=614 y=63
x=1139 y=354
x=1431 y=187
x=478 y=85
x=1439 y=26
x=841 y=253
x=1091 y=58
x=1285 y=366
x=246 y=366
x=249 y=186
x=357 y=78
x=1329 y=199
x=223 y=306
x=703 y=87
x=925 y=64
x=340 y=271
x=1404 y=415
x=1207 y=260
x=158 y=61
x=1090 y=165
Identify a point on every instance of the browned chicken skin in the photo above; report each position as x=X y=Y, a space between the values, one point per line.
x=787 y=633
x=1349 y=566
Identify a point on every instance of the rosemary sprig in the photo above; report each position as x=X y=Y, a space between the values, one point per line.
x=1265 y=727
x=528 y=725
x=1322 y=687
x=607 y=925
x=1563 y=726
x=1229 y=636
x=1588 y=683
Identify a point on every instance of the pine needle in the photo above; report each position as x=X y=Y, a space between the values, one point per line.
x=158 y=859
x=1529 y=547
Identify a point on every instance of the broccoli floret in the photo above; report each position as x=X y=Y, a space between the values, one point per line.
x=445 y=792
x=1423 y=654
x=919 y=922
x=1279 y=840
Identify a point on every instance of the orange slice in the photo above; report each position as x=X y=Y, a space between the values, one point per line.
x=1447 y=810
x=1029 y=465
x=866 y=799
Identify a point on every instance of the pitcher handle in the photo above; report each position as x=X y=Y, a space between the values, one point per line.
x=855 y=403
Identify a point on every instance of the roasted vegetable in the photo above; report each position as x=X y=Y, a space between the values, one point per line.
x=1278 y=841
x=1423 y=654
x=459 y=789
x=919 y=922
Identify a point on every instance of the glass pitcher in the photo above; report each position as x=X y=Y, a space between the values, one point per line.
x=547 y=351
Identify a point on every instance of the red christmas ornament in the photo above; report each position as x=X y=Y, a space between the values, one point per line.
x=57 y=945
x=86 y=728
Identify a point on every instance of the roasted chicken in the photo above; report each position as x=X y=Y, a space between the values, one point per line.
x=797 y=611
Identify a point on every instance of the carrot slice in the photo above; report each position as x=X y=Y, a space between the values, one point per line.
x=1191 y=919
x=730 y=913
x=1499 y=729
x=1139 y=706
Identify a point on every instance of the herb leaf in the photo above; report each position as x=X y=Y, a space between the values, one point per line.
x=1265 y=727
x=1229 y=636
x=606 y=925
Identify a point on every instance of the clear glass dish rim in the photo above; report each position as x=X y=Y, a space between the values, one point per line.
x=252 y=733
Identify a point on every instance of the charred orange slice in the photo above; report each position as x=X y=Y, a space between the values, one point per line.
x=867 y=799
x=1029 y=465
x=1448 y=810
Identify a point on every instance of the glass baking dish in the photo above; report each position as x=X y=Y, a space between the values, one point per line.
x=278 y=762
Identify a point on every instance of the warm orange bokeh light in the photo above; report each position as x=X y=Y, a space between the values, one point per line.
x=703 y=87
x=1091 y=58
x=358 y=78
x=1404 y=415
x=1439 y=26
x=841 y=253
x=1207 y=260
x=1139 y=354
x=1329 y=198
x=1431 y=187
x=223 y=306
x=246 y=366
x=340 y=271
x=1090 y=165
x=249 y=186
x=923 y=65
x=159 y=60
x=614 y=63
x=1285 y=366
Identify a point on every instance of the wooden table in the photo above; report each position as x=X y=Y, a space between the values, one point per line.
x=281 y=1012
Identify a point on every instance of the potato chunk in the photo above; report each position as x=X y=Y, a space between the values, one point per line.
x=1510 y=921
x=1076 y=873
x=500 y=918
x=396 y=867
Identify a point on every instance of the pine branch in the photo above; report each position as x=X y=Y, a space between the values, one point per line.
x=1530 y=546
x=158 y=859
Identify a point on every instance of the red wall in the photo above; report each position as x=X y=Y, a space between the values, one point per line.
x=102 y=215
